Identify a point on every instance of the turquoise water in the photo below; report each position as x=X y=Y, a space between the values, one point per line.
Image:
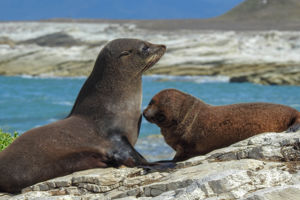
x=27 y=102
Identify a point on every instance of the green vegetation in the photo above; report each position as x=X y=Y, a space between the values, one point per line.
x=6 y=139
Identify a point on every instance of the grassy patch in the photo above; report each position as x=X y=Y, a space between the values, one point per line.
x=6 y=139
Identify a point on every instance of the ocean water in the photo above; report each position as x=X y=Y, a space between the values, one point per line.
x=27 y=102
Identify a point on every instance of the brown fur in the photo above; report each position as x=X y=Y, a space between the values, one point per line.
x=192 y=127
x=101 y=129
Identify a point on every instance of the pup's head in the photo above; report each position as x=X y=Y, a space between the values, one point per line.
x=165 y=107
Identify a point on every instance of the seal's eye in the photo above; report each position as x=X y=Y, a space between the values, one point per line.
x=160 y=118
x=125 y=53
x=145 y=48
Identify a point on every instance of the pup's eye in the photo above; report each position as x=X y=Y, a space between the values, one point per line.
x=151 y=102
x=160 y=118
x=125 y=53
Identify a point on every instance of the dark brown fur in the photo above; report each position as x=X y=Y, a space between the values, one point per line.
x=101 y=129
x=192 y=127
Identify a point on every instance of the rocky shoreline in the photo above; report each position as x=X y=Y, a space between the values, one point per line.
x=264 y=167
x=70 y=49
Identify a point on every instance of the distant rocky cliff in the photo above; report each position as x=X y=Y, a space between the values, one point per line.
x=70 y=49
x=266 y=11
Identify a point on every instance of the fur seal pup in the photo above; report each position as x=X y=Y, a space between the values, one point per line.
x=192 y=127
x=101 y=129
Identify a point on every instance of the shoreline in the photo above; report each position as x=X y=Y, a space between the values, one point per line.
x=205 y=24
x=269 y=74
x=68 y=50
x=155 y=77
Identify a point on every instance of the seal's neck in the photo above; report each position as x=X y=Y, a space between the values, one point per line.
x=191 y=109
x=107 y=91
x=109 y=94
x=111 y=104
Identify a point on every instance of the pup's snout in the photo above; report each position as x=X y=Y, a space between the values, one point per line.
x=145 y=114
x=148 y=113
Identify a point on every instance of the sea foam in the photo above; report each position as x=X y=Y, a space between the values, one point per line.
x=195 y=79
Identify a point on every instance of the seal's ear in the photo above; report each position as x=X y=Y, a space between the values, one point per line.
x=125 y=53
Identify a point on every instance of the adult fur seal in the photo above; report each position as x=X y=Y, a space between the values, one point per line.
x=192 y=127
x=101 y=129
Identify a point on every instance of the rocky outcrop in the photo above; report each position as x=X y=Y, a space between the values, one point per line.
x=70 y=49
x=264 y=167
x=6 y=41
x=54 y=40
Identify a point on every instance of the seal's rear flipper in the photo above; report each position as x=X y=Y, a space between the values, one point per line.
x=294 y=124
x=293 y=128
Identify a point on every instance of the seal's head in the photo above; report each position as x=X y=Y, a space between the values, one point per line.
x=164 y=108
x=116 y=78
x=130 y=56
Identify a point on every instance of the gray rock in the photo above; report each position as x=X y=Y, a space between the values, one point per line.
x=58 y=39
x=264 y=167
x=289 y=192
x=7 y=41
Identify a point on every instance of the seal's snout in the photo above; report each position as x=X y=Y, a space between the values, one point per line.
x=154 y=52
x=159 y=48
x=163 y=46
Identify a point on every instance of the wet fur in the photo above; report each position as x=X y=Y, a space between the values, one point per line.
x=193 y=127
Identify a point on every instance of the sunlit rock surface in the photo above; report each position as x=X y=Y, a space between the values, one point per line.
x=70 y=49
x=264 y=167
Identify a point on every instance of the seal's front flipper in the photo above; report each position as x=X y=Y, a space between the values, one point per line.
x=123 y=153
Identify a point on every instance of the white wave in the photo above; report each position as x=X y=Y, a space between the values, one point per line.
x=47 y=76
x=38 y=125
x=64 y=103
x=26 y=76
x=196 y=79
x=295 y=105
x=52 y=120
x=46 y=122
x=155 y=77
